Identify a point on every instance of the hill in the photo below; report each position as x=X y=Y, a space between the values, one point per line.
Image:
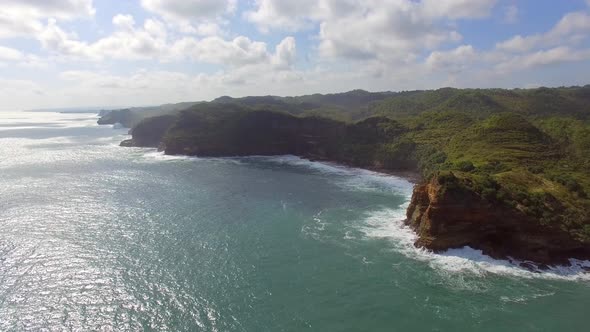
x=509 y=167
x=129 y=117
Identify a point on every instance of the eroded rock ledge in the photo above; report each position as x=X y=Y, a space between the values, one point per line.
x=446 y=217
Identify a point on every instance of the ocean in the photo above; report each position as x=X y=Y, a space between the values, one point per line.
x=98 y=237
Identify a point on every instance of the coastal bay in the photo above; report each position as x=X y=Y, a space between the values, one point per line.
x=97 y=236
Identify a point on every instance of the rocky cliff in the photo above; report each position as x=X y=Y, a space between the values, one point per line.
x=234 y=131
x=495 y=185
x=253 y=133
x=449 y=215
x=124 y=117
x=149 y=132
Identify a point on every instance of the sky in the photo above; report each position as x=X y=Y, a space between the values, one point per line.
x=79 y=53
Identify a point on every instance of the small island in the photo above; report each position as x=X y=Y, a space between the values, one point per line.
x=503 y=171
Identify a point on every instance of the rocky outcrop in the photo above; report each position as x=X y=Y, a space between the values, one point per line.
x=453 y=216
x=128 y=143
x=371 y=143
x=149 y=132
x=124 y=117
x=255 y=133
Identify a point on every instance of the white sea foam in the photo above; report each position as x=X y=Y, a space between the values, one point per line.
x=356 y=179
x=150 y=154
x=388 y=224
x=525 y=298
x=323 y=167
x=315 y=228
x=352 y=178
x=153 y=155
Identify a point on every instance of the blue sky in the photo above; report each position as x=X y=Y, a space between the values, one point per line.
x=73 y=53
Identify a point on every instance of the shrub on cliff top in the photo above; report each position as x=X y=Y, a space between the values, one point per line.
x=464 y=166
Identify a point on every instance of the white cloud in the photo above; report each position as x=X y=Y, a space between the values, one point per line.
x=206 y=29
x=19 y=94
x=192 y=16
x=88 y=88
x=370 y=44
x=157 y=87
x=237 y=52
x=457 y=9
x=241 y=51
x=127 y=42
x=63 y=9
x=294 y=15
x=570 y=28
x=519 y=43
x=124 y=22
x=572 y=23
x=141 y=87
x=388 y=30
x=189 y=9
x=542 y=58
x=287 y=15
x=388 y=34
x=23 y=17
x=16 y=85
x=54 y=39
x=10 y=54
x=511 y=14
x=453 y=61
x=12 y=25
x=285 y=53
x=562 y=43
x=132 y=42
x=155 y=28
x=140 y=80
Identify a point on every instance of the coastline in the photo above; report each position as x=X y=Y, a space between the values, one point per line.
x=412 y=176
x=443 y=223
x=461 y=252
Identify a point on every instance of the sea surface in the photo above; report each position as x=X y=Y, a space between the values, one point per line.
x=98 y=237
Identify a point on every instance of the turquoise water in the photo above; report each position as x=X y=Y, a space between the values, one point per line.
x=97 y=237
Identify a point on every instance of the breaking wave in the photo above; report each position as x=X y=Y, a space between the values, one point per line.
x=388 y=224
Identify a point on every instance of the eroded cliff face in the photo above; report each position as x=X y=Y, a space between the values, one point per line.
x=124 y=117
x=371 y=143
x=453 y=217
x=149 y=132
x=255 y=133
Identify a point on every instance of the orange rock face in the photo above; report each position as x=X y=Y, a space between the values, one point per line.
x=446 y=218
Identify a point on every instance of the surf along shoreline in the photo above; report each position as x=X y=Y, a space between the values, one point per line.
x=446 y=211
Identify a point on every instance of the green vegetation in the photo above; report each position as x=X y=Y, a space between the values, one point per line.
x=480 y=103
x=131 y=117
x=525 y=149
